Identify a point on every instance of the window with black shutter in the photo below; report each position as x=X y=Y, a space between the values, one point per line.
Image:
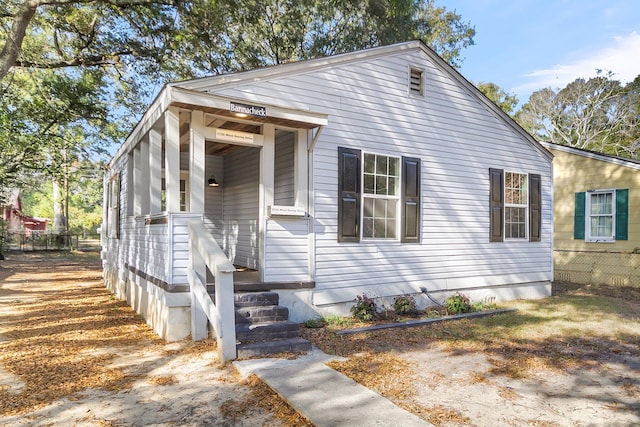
x=378 y=197
x=515 y=206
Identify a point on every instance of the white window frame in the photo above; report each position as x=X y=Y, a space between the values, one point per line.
x=366 y=195
x=516 y=205
x=588 y=216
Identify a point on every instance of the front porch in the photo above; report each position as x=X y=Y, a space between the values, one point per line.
x=239 y=171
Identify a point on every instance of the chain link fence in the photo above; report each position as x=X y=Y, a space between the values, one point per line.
x=43 y=241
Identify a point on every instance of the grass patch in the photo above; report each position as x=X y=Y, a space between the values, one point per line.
x=580 y=329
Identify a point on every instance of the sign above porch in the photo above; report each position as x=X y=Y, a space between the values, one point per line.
x=243 y=110
x=235 y=136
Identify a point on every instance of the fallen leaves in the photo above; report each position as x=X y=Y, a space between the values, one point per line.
x=55 y=329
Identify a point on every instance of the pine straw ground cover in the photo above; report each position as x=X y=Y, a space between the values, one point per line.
x=61 y=330
x=579 y=329
x=60 y=319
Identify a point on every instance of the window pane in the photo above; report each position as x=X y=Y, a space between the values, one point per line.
x=381 y=185
x=392 y=190
x=379 y=228
x=368 y=207
x=392 y=206
x=515 y=223
x=380 y=210
x=369 y=163
x=369 y=184
x=367 y=227
x=602 y=226
x=382 y=165
x=394 y=166
x=391 y=229
x=602 y=204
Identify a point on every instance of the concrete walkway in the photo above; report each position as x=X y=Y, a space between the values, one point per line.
x=323 y=395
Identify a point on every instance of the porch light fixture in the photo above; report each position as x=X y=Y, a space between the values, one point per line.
x=212 y=182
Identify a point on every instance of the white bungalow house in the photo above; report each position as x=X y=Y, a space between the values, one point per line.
x=382 y=172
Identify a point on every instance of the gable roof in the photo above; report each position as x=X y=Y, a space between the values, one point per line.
x=282 y=70
x=204 y=85
x=617 y=160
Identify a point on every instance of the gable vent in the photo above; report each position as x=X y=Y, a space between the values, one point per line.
x=415 y=81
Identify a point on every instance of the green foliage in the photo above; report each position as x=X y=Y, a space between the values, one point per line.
x=81 y=76
x=458 y=304
x=404 y=305
x=316 y=322
x=364 y=308
x=507 y=102
x=597 y=114
x=333 y=321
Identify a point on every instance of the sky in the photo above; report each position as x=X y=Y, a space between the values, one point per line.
x=526 y=45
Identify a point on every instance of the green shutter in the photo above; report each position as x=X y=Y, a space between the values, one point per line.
x=410 y=200
x=535 y=207
x=578 y=218
x=622 y=214
x=496 y=205
x=348 y=195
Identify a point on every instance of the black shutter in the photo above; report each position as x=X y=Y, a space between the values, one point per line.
x=410 y=200
x=496 y=205
x=535 y=207
x=348 y=195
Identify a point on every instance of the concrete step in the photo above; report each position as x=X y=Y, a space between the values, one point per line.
x=264 y=314
x=246 y=332
x=263 y=348
x=256 y=299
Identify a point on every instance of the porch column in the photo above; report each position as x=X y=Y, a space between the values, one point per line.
x=267 y=184
x=155 y=171
x=138 y=189
x=172 y=158
x=143 y=165
x=197 y=162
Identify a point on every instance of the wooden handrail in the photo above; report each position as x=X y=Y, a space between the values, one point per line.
x=205 y=253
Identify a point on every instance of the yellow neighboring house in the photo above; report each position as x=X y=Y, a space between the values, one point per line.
x=596 y=217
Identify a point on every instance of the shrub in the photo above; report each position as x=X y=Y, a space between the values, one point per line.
x=316 y=322
x=364 y=309
x=458 y=304
x=404 y=305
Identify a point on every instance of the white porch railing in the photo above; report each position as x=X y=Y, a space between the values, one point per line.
x=204 y=252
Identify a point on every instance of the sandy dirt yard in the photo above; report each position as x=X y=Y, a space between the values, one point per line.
x=71 y=355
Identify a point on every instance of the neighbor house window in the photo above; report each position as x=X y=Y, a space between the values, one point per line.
x=515 y=206
x=381 y=179
x=601 y=215
x=378 y=197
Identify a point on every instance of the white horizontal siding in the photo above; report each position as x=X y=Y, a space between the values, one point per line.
x=142 y=246
x=457 y=139
x=179 y=231
x=286 y=250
